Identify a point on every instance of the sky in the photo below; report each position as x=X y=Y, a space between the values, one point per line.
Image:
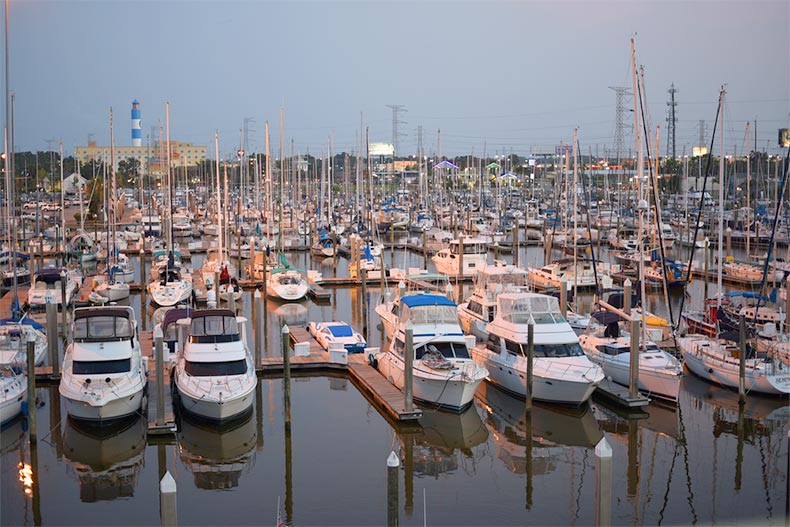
x=500 y=76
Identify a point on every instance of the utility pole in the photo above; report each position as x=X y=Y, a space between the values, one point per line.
x=671 y=121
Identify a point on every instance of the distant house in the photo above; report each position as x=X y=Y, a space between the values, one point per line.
x=73 y=183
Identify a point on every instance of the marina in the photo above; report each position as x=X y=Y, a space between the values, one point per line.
x=263 y=309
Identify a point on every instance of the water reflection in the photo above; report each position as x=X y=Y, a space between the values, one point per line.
x=552 y=426
x=105 y=459
x=217 y=455
x=442 y=434
x=292 y=314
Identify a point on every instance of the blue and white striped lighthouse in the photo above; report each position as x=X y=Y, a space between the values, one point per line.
x=137 y=131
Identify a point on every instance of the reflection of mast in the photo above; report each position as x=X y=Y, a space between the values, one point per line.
x=408 y=474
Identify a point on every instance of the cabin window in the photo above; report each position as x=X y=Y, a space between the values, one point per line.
x=514 y=348
x=216 y=369
x=102 y=328
x=610 y=350
x=100 y=367
x=475 y=307
x=492 y=344
x=214 y=329
x=448 y=350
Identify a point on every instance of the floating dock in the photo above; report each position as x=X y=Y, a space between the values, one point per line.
x=619 y=395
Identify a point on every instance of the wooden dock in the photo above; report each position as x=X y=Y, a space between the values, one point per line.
x=6 y=299
x=615 y=393
x=318 y=293
x=167 y=426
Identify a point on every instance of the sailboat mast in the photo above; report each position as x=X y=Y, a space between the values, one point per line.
x=169 y=191
x=721 y=198
x=216 y=197
x=641 y=205
x=748 y=192
x=111 y=203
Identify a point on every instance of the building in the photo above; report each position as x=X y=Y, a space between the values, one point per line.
x=73 y=183
x=150 y=157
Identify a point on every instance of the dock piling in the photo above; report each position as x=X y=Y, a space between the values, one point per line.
x=256 y=326
x=31 y=385
x=627 y=296
x=63 y=305
x=633 y=374
x=742 y=358
x=530 y=358
x=564 y=297
x=603 y=483
x=168 y=514
x=159 y=346
x=286 y=336
x=408 y=380
x=52 y=337
x=393 y=463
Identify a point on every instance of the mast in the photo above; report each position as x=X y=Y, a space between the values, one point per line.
x=721 y=199
x=641 y=204
x=169 y=191
x=216 y=197
x=111 y=203
x=748 y=192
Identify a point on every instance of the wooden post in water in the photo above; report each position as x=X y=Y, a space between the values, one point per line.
x=64 y=308
x=707 y=265
x=564 y=297
x=251 y=274
x=496 y=251
x=159 y=352
x=460 y=274
x=603 y=483
x=787 y=306
x=514 y=231
x=728 y=233
x=286 y=335
x=363 y=273
x=392 y=248
x=256 y=326
x=425 y=249
x=167 y=501
x=31 y=386
x=408 y=374
x=393 y=463
x=627 y=296
x=265 y=308
x=216 y=287
x=633 y=374
x=52 y=341
x=530 y=358
x=742 y=358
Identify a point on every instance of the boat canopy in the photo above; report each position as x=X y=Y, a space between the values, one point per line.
x=102 y=324
x=171 y=317
x=24 y=321
x=210 y=326
x=49 y=275
x=519 y=307
x=428 y=309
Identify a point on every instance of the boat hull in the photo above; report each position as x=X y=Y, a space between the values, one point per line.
x=85 y=410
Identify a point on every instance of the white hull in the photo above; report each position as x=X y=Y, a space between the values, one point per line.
x=554 y=383
x=661 y=384
x=14 y=394
x=114 y=293
x=289 y=293
x=81 y=406
x=171 y=294
x=215 y=409
x=453 y=392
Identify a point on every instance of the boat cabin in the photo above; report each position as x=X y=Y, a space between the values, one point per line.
x=519 y=308
x=212 y=326
x=103 y=324
x=427 y=308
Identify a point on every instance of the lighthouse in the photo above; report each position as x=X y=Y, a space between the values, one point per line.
x=137 y=132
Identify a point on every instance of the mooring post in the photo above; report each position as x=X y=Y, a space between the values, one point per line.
x=742 y=357
x=393 y=463
x=265 y=310
x=728 y=242
x=231 y=291
x=251 y=274
x=514 y=231
x=408 y=374
x=460 y=274
x=217 y=299
x=627 y=296
x=530 y=358
x=633 y=373
x=168 y=514
x=286 y=336
x=335 y=251
x=364 y=274
x=159 y=351
x=496 y=251
x=52 y=334
x=64 y=307
x=603 y=483
x=564 y=297
x=256 y=326
x=31 y=385
x=707 y=265
x=425 y=249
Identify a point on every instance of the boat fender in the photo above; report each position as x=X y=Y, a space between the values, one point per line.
x=710 y=370
x=24 y=408
x=372 y=361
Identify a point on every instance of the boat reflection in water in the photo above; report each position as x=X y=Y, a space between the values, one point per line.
x=217 y=454
x=11 y=435
x=105 y=459
x=553 y=429
x=291 y=314
x=442 y=434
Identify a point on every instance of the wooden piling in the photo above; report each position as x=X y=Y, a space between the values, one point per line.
x=64 y=308
x=603 y=483
x=393 y=464
x=627 y=296
x=168 y=513
x=256 y=326
x=408 y=374
x=160 y=375
x=564 y=297
x=286 y=336
x=530 y=358
x=742 y=358
x=52 y=337
x=633 y=373
x=31 y=385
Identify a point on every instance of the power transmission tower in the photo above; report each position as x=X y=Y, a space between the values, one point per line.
x=701 y=132
x=397 y=110
x=619 y=128
x=671 y=121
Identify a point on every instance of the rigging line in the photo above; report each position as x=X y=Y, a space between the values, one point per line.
x=779 y=200
x=701 y=205
x=588 y=198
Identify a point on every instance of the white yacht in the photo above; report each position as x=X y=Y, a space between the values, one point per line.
x=172 y=285
x=104 y=374
x=47 y=285
x=214 y=373
x=444 y=373
x=14 y=335
x=551 y=275
x=475 y=255
x=717 y=361
x=13 y=392
x=491 y=280
x=609 y=347
x=561 y=371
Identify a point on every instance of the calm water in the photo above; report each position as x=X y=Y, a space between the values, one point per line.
x=707 y=461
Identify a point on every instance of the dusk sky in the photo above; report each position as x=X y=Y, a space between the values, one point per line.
x=508 y=74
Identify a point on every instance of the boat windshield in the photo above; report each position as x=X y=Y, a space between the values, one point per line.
x=430 y=314
x=100 y=367
x=216 y=369
x=102 y=328
x=215 y=328
x=448 y=350
x=518 y=309
x=286 y=279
